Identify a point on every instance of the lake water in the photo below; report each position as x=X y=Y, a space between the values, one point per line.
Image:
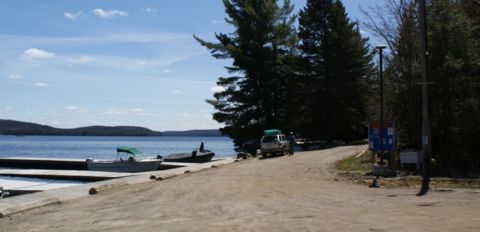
x=104 y=147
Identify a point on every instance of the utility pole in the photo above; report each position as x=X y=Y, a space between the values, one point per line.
x=426 y=138
x=380 y=51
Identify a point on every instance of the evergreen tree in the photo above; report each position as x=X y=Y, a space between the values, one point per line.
x=260 y=46
x=403 y=75
x=336 y=63
x=454 y=62
x=455 y=103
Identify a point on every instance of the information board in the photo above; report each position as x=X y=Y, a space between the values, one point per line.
x=374 y=137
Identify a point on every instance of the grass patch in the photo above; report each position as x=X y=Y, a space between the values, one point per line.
x=356 y=163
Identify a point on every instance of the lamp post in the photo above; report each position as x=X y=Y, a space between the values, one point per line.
x=380 y=51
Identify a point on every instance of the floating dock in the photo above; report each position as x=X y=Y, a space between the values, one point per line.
x=63 y=174
x=49 y=169
x=64 y=164
x=44 y=163
x=12 y=205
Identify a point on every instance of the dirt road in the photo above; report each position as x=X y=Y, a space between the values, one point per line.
x=290 y=193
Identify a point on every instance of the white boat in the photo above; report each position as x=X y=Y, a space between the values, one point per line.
x=128 y=163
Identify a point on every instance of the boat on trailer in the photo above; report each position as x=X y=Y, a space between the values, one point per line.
x=127 y=161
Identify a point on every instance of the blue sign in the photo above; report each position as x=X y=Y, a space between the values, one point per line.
x=374 y=138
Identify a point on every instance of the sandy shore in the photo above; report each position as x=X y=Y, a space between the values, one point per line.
x=290 y=193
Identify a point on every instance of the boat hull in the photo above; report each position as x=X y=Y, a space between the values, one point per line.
x=124 y=166
x=190 y=158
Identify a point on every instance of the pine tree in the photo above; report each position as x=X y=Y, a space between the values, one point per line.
x=263 y=40
x=337 y=62
x=455 y=103
x=403 y=76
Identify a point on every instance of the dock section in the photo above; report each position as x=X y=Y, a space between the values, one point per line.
x=44 y=163
x=64 y=174
x=21 y=203
x=64 y=164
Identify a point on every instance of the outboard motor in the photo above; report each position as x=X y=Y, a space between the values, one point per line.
x=3 y=193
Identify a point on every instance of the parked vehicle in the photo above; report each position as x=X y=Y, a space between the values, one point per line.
x=274 y=142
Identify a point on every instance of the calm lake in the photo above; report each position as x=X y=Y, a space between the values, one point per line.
x=104 y=147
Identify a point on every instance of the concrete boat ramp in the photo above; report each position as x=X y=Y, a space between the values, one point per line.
x=51 y=193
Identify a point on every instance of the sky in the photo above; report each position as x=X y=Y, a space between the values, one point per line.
x=80 y=63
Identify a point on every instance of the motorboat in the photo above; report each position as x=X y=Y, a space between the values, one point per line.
x=127 y=161
x=199 y=155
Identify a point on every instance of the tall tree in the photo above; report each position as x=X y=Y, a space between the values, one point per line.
x=455 y=64
x=260 y=46
x=337 y=63
x=454 y=94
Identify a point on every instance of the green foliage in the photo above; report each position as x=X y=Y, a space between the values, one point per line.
x=254 y=96
x=403 y=77
x=454 y=65
x=336 y=64
x=455 y=103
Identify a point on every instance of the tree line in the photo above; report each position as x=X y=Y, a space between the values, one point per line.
x=315 y=74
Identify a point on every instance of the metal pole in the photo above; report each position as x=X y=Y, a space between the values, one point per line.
x=426 y=138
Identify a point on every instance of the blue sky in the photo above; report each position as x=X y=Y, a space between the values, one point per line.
x=80 y=63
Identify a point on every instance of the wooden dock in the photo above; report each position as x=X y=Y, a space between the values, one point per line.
x=63 y=174
x=44 y=163
x=64 y=164
x=45 y=170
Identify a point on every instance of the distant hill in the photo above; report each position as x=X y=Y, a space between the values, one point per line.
x=12 y=127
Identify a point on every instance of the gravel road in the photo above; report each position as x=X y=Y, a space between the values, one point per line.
x=289 y=193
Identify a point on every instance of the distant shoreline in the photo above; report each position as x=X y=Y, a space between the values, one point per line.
x=19 y=128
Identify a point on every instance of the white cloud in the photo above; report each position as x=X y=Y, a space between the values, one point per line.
x=105 y=39
x=71 y=108
x=73 y=16
x=215 y=22
x=217 y=89
x=136 y=110
x=14 y=76
x=82 y=59
x=121 y=111
x=140 y=62
x=34 y=53
x=177 y=91
x=108 y=13
x=167 y=71
x=40 y=84
x=75 y=109
x=113 y=111
x=151 y=11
